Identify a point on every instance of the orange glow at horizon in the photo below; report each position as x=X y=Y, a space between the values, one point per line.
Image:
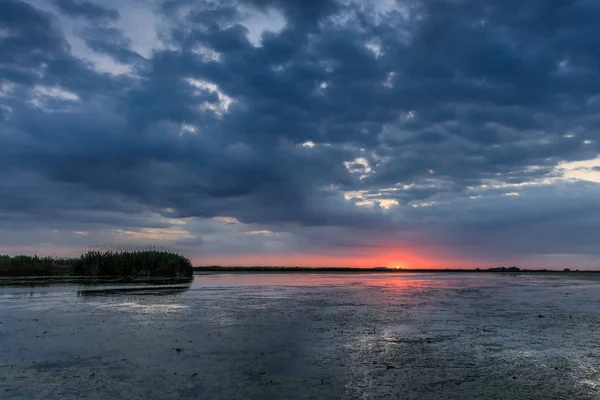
x=394 y=259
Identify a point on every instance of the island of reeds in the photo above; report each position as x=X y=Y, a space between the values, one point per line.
x=138 y=264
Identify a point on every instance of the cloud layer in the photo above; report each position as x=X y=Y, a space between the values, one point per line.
x=444 y=132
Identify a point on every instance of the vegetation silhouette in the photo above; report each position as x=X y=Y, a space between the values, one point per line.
x=150 y=263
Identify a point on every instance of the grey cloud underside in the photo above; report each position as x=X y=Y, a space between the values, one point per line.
x=450 y=94
x=86 y=9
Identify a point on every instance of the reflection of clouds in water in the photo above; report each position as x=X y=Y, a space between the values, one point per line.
x=225 y=320
x=582 y=371
x=138 y=299
x=398 y=282
x=342 y=340
x=143 y=308
x=590 y=384
x=121 y=291
x=588 y=373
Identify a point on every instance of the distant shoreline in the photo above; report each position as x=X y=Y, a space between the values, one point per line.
x=273 y=269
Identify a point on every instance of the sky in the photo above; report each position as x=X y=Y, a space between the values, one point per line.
x=414 y=134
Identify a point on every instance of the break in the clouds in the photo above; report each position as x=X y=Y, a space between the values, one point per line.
x=418 y=132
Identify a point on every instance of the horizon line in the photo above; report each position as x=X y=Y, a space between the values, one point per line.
x=512 y=269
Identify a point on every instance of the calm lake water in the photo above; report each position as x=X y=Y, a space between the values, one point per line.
x=305 y=336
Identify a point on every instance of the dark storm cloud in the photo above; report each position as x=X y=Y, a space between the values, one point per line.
x=110 y=41
x=435 y=97
x=29 y=40
x=33 y=51
x=86 y=9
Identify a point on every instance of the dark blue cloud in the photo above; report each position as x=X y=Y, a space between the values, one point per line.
x=433 y=107
x=87 y=9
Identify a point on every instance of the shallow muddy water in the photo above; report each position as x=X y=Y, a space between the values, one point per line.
x=305 y=336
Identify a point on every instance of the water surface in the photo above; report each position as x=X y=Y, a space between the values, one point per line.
x=273 y=336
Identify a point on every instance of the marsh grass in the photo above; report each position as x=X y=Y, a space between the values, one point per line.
x=139 y=263
x=35 y=266
x=144 y=263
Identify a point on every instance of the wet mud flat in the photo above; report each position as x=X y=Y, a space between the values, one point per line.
x=266 y=336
